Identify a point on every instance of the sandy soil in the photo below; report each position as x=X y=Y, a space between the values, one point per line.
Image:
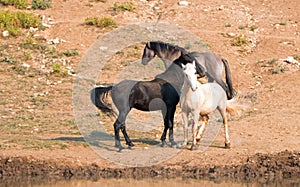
x=42 y=138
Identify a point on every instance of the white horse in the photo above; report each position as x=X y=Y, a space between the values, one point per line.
x=201 y=99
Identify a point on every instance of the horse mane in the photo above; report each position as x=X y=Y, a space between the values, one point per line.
x=188 y=58
x=184 y=59
x=166 y=46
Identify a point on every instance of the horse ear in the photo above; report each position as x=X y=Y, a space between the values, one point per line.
x=148 y=45
x=194 y=63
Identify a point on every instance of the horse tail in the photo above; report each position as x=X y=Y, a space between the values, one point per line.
x=231 y=110
x=230 y=91
x=236 y=106
x=98 y=94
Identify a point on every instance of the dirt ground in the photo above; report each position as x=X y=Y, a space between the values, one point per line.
x=40 y=137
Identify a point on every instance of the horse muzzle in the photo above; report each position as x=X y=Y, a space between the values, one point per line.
x=194 y=89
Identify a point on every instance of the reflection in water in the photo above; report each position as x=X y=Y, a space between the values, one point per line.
x=149 y=182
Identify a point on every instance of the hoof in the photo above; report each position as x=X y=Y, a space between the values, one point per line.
x=173 y=144
x=227 y=145
x=198 y=140
x=163 y=144
x=121 y=149
x=194 y=147
x=183 y=145
x=130 y=145
x=118 y=144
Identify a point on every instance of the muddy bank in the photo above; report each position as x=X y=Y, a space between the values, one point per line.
x=268 y=166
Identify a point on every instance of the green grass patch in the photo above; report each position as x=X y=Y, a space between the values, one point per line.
x=228 y=25
x=14 y=21
x=105 y=22
x=253 y=28
x=271 y=62
x=32 y=44
x=69 y=53
x=279 y=70
x=56 y=68
x=296 y=57
x=239 y=40
x=126 y=6
x=20 y=4
x=41 y=4
x=242 y=27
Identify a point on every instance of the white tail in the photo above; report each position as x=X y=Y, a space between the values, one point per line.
x=236 y=106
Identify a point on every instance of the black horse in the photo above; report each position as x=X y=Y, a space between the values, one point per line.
x=161 y=93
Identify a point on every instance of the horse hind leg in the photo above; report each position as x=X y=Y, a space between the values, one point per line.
x=117 y=126
x=195 y=130
x=120 y=125
x=225 y=124
x=127 y=139
x=202 y=128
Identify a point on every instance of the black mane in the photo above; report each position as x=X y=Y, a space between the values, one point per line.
x=166 y=46
x=187 y=58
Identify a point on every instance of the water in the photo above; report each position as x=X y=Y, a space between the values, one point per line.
x=148 y=182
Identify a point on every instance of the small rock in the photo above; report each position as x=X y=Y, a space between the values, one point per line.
x=230 y=34
x=46 y=25
x=26 y=65
x=55 y=41
x=291 y=60
x=32 y=29
x=5 y=33
x=183 y=3
x=221 y=7
x=103 y=48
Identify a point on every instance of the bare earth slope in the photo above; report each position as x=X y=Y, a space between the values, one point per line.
x=37 y=122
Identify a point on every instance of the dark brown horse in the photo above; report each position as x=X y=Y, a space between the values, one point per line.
x=212 y=63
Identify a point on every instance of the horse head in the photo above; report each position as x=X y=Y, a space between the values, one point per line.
x=189 y=71
x=148 y=54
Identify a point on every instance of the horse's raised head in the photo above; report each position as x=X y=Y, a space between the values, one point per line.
x=189 y=70
x=148 y=54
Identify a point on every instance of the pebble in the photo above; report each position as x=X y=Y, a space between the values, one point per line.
x=183 y=3
x=5 y=33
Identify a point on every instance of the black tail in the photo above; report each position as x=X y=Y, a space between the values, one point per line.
x=98 y=94
x=230 y=91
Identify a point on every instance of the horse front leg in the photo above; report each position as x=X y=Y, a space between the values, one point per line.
x=195 y=130
x=170 y=115
x=168 y=124
x=184 y=116
x=164 y=134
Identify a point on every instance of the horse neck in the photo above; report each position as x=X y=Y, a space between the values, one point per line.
x=168 y=54
x=185 y=88
x=173 y=75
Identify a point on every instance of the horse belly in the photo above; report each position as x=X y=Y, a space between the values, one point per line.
x=214 y=96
